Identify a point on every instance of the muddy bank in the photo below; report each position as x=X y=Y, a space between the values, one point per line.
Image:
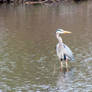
x=36 y=1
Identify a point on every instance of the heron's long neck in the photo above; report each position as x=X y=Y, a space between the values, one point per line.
x=59 y=38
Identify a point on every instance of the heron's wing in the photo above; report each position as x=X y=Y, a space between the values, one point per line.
x=67 y=51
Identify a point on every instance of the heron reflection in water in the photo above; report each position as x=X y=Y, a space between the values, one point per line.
x=64 y=53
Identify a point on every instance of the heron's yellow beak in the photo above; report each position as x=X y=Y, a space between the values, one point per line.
x=67 y=32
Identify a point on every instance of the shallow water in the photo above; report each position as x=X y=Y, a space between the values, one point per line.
x=28 y=61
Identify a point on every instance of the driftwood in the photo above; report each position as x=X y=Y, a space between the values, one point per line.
x=33 y=2
x=38 y=2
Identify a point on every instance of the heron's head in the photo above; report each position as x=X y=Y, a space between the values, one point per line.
x=61 y=31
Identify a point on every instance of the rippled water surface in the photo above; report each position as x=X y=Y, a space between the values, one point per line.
x=28 y=61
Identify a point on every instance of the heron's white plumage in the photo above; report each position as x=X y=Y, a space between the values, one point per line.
x=62 y=50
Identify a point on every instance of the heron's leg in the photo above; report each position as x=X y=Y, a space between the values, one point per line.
x=66 y=63
x=61 y=64
x=61 y=68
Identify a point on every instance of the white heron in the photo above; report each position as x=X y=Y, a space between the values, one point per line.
x=64 y=53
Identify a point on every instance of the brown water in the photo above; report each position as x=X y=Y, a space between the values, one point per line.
x=28 y=61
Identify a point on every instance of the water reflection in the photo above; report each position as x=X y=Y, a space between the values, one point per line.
x=65 y=78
